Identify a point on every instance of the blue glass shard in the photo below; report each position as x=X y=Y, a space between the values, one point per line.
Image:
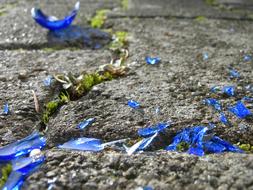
x=116 y=142
x=157 y=110
x=198 y=151
x=234 y=74
x=141 y=145
x=6 y=109
x=160 y=127
x=14 y=181
x=152 y=61
x=198 y=135
x=27 y=164
x=247 y=99
x=224 y=119
x=240 y=110
x=229 y=90
x=213 y=147
x=249 y=88
x=84 y=144
x=147 y=188
x=133 y=104
x=247 y=58
x=205 y=56
x=22 y=147
x=86 y=123
x=215 y=89
x=229 y=147
x=51 y=22
x=47 y=82
x=214 y=103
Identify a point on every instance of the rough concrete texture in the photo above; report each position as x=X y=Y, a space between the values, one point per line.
x=178 y=85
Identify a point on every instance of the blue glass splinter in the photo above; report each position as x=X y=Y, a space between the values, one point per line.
x=141 y=145
x=47 y=81
x=234 y=74
x=247 y=99
x=229 y=90
x=213 y=102
x=85 y=123
x=133 y=104
x=6 y=109
x=240 y=110
x=224 y=119
x=84 y=144
x=214 y=89
x=14 y=181
x=22 y=147
x=51 y=22
x=205 y=56
x=247 y=58
x=148 y=131
x=152 y=60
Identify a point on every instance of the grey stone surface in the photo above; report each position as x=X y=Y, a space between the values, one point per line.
x=177 y=85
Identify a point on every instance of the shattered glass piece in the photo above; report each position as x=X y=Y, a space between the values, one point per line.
x=214 y=103
x=198 y=151
x=240 y=110
x=234 y=74
x=84 y=144
x=229 y=147
x=86 y=123
x=22 y=147
x=141 y=145
x=133 y=104
x=213 y=147
x=205 y=56
x=157 y=110
x=48 y=81
x=27 y=164
x=247 y=58
x=247 y=99
x=79 y=37
x=6 y=110
x=160 y=127
x=224 y=119
x=14 y=181
x=147 y=188
x=215 y=89
x=198 y=135
x=152 y=60
x=51 y=22
x=229 y=90
x=116 y=142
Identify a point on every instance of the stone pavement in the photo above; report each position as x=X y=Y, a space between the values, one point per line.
x=178 y=32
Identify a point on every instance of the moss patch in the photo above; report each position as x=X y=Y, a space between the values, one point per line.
x=99 y=19
x=211 y=2
x=245 y=147
x=124 y=4
x=183 y=146
x=6 y=170
x=200 y=18
x=120 y=40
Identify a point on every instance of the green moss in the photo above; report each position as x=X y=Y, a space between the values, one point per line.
x=124 y=4
x=64 y=97
x=99 y=19
x=51 y=108
x=120 y=40
x=245 y=147
x=6 y=170
x=183 y=146
x=200 y=18
x=211 y=2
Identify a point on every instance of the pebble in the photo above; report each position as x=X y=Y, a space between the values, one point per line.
x=22 y=75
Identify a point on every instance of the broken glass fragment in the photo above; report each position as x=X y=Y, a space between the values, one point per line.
x=247 y=99
x=229 y=147
x=145 y=132
x=215 y=89
x=22 y=147
x=51 y=22
x=229 y=90
x=6 y=110
x=240 y=110
x=247 y=58
x=84 y=144
x=141 y=145
x=133 y=104
x=205 y=56
x=224 y=119
x=214 y=103
x=198 y=151
x=47 y=81
x=152 y=60
x=86 y=123
x=14 y=181
x=234 y=74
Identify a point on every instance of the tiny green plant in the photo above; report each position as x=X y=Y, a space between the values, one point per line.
x=6 y=170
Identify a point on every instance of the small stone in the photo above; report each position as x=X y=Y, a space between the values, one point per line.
x=22 y=75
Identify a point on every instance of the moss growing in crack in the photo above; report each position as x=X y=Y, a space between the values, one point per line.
x=200 y=18
x=120 y=40
x=99 y=19
x=183 y=146
x=245 y=147
x=50 y=109
x=211 y=2
x=124 y=4
x=6 y=170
